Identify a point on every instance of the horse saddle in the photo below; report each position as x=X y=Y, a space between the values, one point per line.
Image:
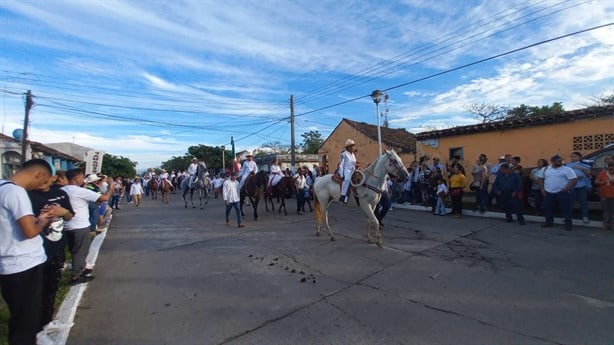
x=356 y=179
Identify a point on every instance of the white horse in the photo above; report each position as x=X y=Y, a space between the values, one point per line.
x=369 y=192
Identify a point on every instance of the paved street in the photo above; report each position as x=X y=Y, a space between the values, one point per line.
x=170 y=275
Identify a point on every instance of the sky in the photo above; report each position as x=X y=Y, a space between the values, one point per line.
x=147 y=79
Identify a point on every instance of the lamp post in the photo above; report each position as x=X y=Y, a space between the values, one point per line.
x=223 y=161
x=376 y=96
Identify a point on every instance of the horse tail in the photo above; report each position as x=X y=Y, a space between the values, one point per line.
x=317 y=208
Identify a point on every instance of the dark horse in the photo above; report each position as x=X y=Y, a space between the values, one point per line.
x=254 y=189
x=279 y=191
x=153 y=188
x=200 y=184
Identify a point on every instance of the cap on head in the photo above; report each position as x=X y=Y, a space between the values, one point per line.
x=349 y=142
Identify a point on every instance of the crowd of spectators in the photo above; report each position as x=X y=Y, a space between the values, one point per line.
x=507 y=186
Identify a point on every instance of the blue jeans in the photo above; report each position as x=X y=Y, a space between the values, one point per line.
x=482 y=196
x=564 y=199
x=230 y=206
x=440 y=208
x=114 y=201
x=581 y=196
x=511 y=204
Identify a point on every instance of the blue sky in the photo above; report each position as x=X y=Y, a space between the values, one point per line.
x=147 y=79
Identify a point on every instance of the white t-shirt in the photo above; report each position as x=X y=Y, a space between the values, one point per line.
x=17 y=253
x=555 y=179
x=79 y=198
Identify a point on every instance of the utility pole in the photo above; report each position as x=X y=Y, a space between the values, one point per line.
x=24 y=137
x=292 y=145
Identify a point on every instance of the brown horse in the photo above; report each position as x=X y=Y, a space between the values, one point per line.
x=153 y=187
x=165 y=190
x=279 y=191
x=254 y=189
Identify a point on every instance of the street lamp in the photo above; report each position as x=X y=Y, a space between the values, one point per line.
x=376 y=96
x=223 y=161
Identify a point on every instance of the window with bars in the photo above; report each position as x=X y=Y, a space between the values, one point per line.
x=592 y=142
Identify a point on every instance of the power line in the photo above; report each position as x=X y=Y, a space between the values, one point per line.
x=462 y=66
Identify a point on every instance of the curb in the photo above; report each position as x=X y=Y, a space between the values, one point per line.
x=57 y=331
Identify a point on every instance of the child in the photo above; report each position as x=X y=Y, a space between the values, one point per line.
x=442 y=191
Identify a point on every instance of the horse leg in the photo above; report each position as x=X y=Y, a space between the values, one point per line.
x=371 y=220
x=283 y=204
x=254 y=202
x=330 y=231
x=200 y=198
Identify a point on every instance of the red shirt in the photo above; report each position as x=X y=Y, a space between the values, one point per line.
x=606 y=189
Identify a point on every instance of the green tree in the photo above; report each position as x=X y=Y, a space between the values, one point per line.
x=523 y=111
x=211 y=155
x=312 y=141
x=118 y=166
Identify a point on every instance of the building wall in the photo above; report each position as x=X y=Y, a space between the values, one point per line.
x=367 y=148
x=530 y=143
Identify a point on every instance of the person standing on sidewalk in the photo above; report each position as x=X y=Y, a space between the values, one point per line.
x=22 y=256
x=77 y=230
x=558 y=183
x=507 y=186
x=54 y=241
x=605 y=183
x=230 y=193
x=457 y=185
x=583 y=186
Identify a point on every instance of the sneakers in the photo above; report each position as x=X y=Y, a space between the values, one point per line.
x=86 y=272
x=81 y=279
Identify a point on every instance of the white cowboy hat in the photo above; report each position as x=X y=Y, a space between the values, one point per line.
x=349 y=142
x=92 y=178
x=249 y=154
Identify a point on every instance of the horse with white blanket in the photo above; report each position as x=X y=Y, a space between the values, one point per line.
x=366 y=192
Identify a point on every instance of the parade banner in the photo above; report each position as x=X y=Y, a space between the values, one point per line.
x=93 y=162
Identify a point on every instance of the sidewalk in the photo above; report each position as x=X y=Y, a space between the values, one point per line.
x=499 y=215
x=57 y=331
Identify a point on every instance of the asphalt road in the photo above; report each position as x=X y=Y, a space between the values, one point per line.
x=171 y=275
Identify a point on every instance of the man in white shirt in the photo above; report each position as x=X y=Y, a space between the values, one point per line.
x=230 y=193
x=192 y=170
x=77 y=230
x=558 y=182
x=22 y=255
x=347 y=166
x=249 y=167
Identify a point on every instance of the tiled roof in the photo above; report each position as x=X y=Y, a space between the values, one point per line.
x=36 y=146
x=568 y=116
x=397 y=138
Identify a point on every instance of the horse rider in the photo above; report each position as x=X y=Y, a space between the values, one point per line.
x=275 y=174
x=347 y=166
x=164 y=178
x=192 y=170
x=249 y=167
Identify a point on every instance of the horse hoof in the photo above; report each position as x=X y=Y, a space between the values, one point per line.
x=333 y=239
x=193 y=206
x=380 y=244
x=370 y=241
x=318 y=234
x=186 y=206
